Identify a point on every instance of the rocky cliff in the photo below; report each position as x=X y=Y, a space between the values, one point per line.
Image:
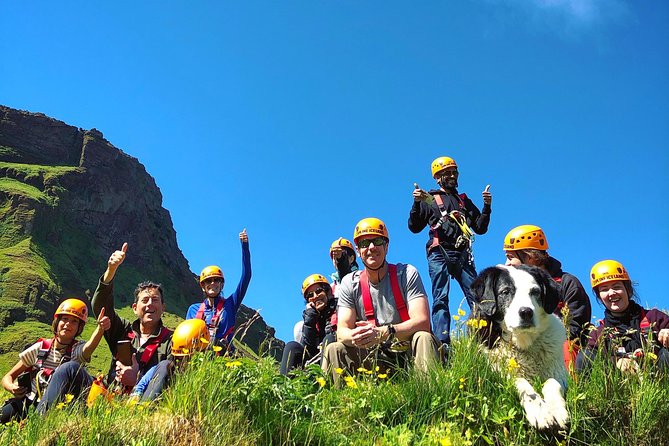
x=68 y=198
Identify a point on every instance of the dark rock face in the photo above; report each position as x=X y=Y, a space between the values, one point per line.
x=64 y=209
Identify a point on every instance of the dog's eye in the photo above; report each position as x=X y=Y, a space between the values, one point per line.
x=535 y=292
x=505 y=291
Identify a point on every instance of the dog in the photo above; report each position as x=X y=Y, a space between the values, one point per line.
x=518 y=304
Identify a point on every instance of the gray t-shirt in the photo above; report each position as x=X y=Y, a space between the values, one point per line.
x=349 y=295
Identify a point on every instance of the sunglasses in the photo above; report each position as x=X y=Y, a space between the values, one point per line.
x=213 y=280
x=314 y=293
x=378 y=241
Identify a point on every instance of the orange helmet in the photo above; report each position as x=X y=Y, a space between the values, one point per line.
x=525 y=237
x=72 y=307
x=607 y=271
x=211 y=271
x=442 y=163
x=370 y=225
x=341 y=242
x=189 y=337
x=312 y=279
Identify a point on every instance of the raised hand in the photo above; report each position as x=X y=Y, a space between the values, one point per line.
x=243 y=236
x=418 y=193
x=487 y=195
x=103 y=321
x=114 y=262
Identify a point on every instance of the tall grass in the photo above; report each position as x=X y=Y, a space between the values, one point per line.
x=228 y=401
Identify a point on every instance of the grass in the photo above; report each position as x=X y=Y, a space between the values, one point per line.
x=247 y=402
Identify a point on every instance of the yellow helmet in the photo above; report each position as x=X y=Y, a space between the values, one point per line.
x=442 y=163
x=341 y=242
x=370 y=225
x=189 y=337
x=211 y=271
x=525 y=237
x=312 y=279
x=607 y=271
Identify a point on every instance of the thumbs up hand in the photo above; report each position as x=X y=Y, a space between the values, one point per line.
x=487 y=195
x=117 y=257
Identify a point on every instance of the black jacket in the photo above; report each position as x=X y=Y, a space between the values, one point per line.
x=574 y=297
x=317 y=326
x=626 y=331
x=423 y=214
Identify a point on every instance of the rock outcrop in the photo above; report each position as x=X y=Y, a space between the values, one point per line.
x=68 y=198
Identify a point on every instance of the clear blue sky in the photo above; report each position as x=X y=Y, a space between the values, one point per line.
x=297 y=119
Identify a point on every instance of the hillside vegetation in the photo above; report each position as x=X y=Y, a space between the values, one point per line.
x=245 y=402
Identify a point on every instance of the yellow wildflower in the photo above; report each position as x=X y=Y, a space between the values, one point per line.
x=362 y=369
x=68 y=398
x=233 y=364
x=60 y=405
x=350 y=382
x=456 y=318
x=512 y=365
x=321 y=381
x=339 y=370
x=377 y=368
x=445 y=442
x=184 y=350
x=217 y=348
x=461 y=312
x=652 y=356
x=382 y=375
x=204 y=341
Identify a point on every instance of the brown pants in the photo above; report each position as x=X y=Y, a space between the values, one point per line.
x=423 y=349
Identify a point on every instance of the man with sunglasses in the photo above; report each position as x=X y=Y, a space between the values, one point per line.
x=317 y=328
x=383 y=312
x=453 y=219
x=218 y=312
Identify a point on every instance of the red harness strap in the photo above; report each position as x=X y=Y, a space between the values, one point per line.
x=151 y=345
x=397 y=294
x=442 y=210
x=561 y=304
x=44 y=352
x=217 y=314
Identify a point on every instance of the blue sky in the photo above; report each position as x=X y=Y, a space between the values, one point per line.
x=297 y=119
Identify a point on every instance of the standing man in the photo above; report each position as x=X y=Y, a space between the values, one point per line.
x=383 y=312
x=453 y=219
x=220 y=313
x=150 y=340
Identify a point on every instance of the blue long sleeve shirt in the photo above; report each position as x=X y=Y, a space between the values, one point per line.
x=228 y=318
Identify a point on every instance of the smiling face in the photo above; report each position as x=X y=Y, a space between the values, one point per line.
x=614 y=295
x=317 y=295
x=448 y=178
x=149 y=307
x=374 y=255
x=212 y=287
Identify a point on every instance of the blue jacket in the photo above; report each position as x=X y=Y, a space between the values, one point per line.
x=226 y=323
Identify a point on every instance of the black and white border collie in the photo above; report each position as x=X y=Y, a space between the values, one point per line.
x=518 y=305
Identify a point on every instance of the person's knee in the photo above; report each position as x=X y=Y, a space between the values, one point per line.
x=68 y=369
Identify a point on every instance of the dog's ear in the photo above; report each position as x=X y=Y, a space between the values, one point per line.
x=550 y=290
x=484 y=290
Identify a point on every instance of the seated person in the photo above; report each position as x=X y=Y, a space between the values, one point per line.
x=50 y=368
x=317 y=326
x=383 y=312
x=628 y=330
x=150 y=340
x=527 y=245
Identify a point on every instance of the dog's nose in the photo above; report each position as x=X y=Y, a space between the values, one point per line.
x=525 y=314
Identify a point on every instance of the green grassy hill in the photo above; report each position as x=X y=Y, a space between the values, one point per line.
x=245 y=402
